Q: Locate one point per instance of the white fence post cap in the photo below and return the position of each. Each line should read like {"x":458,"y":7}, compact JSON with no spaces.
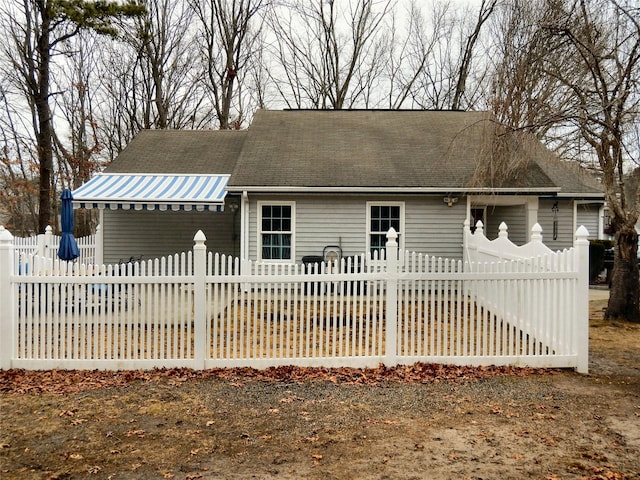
{"x":582,"y":234}
{"x":199,"y":238}
{"x":392,"y":234}
{"x":536,"y":232}
{"x":5,"y":235}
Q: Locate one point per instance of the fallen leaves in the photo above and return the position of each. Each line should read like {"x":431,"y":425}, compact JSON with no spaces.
{"x":72,"y":381}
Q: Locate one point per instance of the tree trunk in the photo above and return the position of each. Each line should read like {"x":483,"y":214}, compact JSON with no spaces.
{"x":44,"y":133}
{"x":624,"y":297}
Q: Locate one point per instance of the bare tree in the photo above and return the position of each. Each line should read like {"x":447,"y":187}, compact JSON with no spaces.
{"x":521,"y":95}
{"x":18,"y":168}
{"x":484,"y":12}
{"x":34,"y":30}
{"x":164,"y":73}
{"x":330,"y":53}
{"x":117,"y":109}
{"x":229,"y":34}
{"x":450,"y":35}
{"x":408,"y":54}
{"x":77,"y":149}
{"x":604,"y":38}
{"x":435,"y":84}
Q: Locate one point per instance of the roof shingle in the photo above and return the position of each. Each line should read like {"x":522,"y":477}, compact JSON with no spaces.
{"x":360,"y":149}
{"x":180,"y":151}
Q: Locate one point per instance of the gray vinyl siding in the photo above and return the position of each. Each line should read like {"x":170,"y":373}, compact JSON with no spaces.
{"x":515,"y":216}
{"x":433,"y":227}
{"x":155,"y":234}
{"x":565,"y":223}
{"x":319,"y":222}
{"x":329,"y":221}
{"x":430,"y":226}
{"x":588,"y":215}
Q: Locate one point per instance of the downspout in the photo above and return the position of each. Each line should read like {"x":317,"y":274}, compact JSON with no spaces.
{"x":532,"y":215}
{"x":244,"y":231}
{"x":99,"y":252}
{"x":465,"y":232}
{"x":601,"y":235}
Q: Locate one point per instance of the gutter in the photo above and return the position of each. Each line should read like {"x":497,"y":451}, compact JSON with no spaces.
{"x":582,"y":195}
{"x":435,"y":190}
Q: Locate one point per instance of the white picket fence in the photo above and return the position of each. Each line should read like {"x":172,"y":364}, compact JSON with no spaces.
{"x":46,"y":245}
{"x":203,"y":310}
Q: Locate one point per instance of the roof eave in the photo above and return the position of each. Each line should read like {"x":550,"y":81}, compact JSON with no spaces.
{"x":581,"y":195}
{"x":434,"y":190}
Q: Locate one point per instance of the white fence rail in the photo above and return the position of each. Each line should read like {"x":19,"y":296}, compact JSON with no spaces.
{"x":202,"y":310}
{"x":46,"y":245}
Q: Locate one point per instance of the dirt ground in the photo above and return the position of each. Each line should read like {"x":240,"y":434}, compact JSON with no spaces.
{"x":409,"y":423}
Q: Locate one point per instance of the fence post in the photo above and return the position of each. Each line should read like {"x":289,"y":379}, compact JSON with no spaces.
{"x":40,"y":246}
{"x":7,"y":299}
{"x":391,"y":358}
{"x":199,"y":298}
{"x":45,"y":242}
{"x":581,"y":307}
{"x":537,"y":246}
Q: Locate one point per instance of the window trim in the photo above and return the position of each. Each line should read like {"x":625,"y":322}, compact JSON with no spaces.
{"x":259,"y":231}
{"x":401,"y":234}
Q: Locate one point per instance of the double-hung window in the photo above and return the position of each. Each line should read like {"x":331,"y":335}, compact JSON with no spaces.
{"x":381,"y":216}
{"x":276,"y":230}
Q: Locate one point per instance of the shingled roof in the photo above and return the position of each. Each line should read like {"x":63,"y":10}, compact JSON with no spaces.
{"x":385,"y":150}
{"x":359,"y":150}
{"x":180,"y":151}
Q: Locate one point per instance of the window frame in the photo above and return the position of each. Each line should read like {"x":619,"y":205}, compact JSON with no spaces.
{"x":260,"y":232}
{"x":401,"y":233}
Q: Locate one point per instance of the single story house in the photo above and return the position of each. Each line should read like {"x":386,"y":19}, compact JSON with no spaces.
{"x":300,"y":183}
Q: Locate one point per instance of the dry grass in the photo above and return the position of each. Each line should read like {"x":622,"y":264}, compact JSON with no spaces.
{"x":432,"y":422}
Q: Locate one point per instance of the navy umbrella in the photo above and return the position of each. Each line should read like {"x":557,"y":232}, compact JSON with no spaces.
{"x":68,"y":249}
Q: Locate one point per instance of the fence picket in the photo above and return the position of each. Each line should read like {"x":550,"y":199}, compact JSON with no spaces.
{"x":201,"y":309}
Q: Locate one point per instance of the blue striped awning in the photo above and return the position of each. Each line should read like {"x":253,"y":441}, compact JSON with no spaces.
{"x":152,"y":192}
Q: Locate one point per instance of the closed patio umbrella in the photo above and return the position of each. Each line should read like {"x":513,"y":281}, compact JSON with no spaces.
{"x":68,"y":249}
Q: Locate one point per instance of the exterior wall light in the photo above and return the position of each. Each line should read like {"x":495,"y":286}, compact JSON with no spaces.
{"x":450,"y":201}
